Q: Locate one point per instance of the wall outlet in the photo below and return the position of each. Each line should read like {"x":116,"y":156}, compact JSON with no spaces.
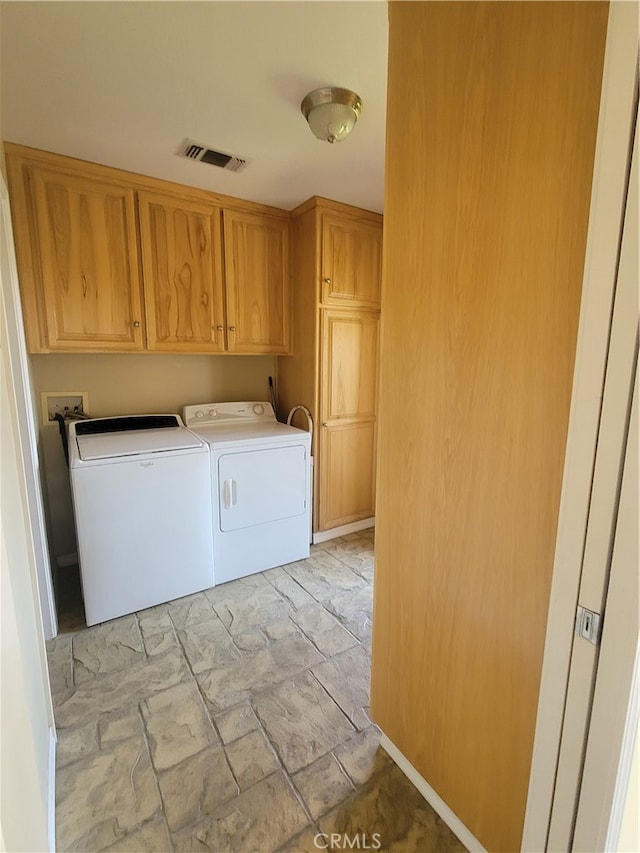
{"x":61,"y":402}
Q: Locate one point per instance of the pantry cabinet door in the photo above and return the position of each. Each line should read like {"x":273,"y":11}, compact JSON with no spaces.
{"x":182,"y":270}
{"x":347,"y":473}
{"x":348,"y":378}
{"x":257,"y":277}
{"x":351,"y":262}
{"x":349,"y":364}
{"x":89,"y":263}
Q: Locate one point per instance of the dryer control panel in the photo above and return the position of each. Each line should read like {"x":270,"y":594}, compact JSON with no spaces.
{"x":211,"y":413}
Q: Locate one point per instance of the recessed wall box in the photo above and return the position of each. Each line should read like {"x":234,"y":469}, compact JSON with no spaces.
{"x":59,"y":402}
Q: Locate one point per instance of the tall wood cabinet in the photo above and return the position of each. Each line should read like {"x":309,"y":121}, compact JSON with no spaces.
{"x":333,"y":369}
{"x":110,"y":261}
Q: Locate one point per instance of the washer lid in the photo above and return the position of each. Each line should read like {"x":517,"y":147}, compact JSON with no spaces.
{"x":106,"y":438}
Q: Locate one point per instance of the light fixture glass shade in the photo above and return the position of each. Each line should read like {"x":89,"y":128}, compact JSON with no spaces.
{"x":331,"y":112}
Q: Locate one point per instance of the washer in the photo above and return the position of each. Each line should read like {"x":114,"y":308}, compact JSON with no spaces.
{"x":141,"y":488}
{"x":261,"y":499}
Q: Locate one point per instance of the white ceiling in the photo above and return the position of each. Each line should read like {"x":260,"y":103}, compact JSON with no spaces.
{"x":125,"y":83}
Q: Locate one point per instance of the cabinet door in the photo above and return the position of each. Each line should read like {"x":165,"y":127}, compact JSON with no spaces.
{"x":257,"y":282}
{"x":347,"y":473}
{"x":89,"y":263}
{"x":349,"y":364}
{"x":348,"y":410}
{"x":351,"y":262}
{"x":182,"y":268}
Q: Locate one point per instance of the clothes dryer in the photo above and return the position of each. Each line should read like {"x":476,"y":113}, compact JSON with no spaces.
{"x":261,"y":486}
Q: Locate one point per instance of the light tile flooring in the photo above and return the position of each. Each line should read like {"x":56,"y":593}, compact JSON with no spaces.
{"x":236,"y":719}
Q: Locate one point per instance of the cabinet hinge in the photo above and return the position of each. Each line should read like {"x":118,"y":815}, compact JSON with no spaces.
{"x":588,"y":625}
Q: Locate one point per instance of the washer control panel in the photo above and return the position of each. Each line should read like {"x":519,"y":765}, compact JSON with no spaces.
{"x":211,"y":413}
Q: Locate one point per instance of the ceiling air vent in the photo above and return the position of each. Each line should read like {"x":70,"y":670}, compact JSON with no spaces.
{"x":195,"y":151}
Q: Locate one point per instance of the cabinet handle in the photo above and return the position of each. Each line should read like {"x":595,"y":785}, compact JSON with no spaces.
{"x":136,"y":324}
{"x":325,"y":424}
{"x":220,"y":328}
{"x":327,"y":280}
{"x":232,"y":328}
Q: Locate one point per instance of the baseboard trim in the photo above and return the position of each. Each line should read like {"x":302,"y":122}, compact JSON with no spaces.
{"x":437,"y":803}
{"x":354,"y":527}
{"x":51,"y":805}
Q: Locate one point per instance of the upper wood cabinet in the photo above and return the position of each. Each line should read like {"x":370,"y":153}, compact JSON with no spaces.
{"x":182,"y":271}
{"x":257,"y":281}
{"x":111,"y":261}
{"x":86,"y":237}
{"x":351,"y":261}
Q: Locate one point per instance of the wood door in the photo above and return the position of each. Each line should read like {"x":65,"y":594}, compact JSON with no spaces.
{"x":347,"y":473}
{"x":182,"y":269}
{"x":490,"y":158}
{"x":348,"y":381}
{"x":258,"y":288}
{"x":351,"y":262}
{"x":349,"y":364}
{"x":89,"y":262}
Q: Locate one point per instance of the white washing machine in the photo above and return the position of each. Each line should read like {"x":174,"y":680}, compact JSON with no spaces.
{"x":261,"y":484}
{"x":141,"y":488}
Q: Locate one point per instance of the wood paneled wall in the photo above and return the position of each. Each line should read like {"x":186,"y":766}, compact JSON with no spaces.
{"x":492,"y":116}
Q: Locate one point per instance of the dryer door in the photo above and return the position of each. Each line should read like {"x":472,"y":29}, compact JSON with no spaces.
{"x":259,"y":486}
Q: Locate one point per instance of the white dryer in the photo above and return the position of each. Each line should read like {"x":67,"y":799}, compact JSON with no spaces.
{"x":141,"y":489}
{"x":261,"y":484}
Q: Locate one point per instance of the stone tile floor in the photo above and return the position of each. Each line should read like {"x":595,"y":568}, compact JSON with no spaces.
{"x":236,"y":719}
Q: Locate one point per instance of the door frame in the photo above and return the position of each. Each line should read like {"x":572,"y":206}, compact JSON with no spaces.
{"x":40,"y":758}
{"x":613,"y":725}
{"x":588,"y":665}
{"x":27,"y":422}
{"x":609,"y":190}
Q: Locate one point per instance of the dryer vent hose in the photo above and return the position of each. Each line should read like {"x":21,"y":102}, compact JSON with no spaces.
{"x":63,"y":422}
{"x":307,"y":413}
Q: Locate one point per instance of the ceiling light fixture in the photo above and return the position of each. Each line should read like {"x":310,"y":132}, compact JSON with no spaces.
{"x":331,"y":112}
